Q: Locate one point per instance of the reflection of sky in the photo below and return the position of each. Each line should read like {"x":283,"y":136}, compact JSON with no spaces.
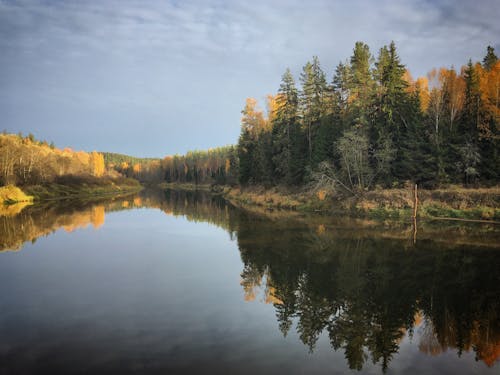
{"x":411,"y":360}
{"x":148,"y":289}
{"x":158,"y":77}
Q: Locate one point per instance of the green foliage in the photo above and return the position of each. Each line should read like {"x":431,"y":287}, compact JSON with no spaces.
{"x":113,"y":159}
{"x":214,"y":166}
{"x":490,"y":59}
{"x":401,"y":130}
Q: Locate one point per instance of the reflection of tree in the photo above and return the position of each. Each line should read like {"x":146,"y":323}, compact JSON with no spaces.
{"x":367,"y":293}
{"x":365,"y":289}
{"x":36,"y":221}
{"x":20,"y":224}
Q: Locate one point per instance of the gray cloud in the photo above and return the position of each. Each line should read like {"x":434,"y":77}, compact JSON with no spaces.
{"x":157,"y":77}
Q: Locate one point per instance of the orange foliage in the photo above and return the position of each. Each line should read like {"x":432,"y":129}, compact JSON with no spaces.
{"x":454,"y":86}
{"x":321,"y":195}
{"x":96,"y":164}
{"x":489,"y":83}
{"x":321,"y":229}
{"x":97,"y":216}
{"x":137,"y":168}
{"x":270,"y":295}
{"x":489,"y":352}
{"x":422,"y":85}
{"x":253,"y":119}
{"x":272,"y":108}
{"x":408,"y":78}
{"x":83,"y":157}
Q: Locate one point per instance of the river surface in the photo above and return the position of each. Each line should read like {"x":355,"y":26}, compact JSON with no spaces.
{"x":169,"y":282}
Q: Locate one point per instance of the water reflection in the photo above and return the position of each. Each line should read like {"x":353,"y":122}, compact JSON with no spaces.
{"x":367,"y":286}
{"x":23,"y":223}
{"x":369,"y":293}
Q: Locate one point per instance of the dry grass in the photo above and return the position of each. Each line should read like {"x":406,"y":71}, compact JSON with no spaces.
{"x":452,"y":202}
{"x":270,"y":198}
{"x":11,"y":194}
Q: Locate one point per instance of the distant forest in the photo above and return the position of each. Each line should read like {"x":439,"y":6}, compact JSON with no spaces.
{"x":372,"y":125}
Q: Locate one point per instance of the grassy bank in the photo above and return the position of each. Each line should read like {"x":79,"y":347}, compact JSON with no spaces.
{"x":185,"y":186}
{"x":11,"y":194}
{"x":71,"y":187}
{"x":453,"y":202}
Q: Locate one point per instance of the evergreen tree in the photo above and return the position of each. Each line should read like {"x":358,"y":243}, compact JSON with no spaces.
{"x":490,"y":59}
{"x":390,"y":117}
{"x":340,"y":87}
{"x":470,"y":118}
{"x":449,"y":133}
{"x":360,"y":85}
{"x":249,"y":152}
{"x":286,"y":118}
{"x":313,"y":97}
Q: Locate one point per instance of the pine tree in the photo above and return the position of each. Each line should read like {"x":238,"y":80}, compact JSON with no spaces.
{"x":360,"y":85}
{"x":490,"y":59}
{"x":390,"y":116}
{"x":313,"y":97}
{"x":252,"y":124}
{"x":286,"y":118}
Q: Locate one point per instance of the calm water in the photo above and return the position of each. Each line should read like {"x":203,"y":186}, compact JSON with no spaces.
{"x":172,"y":282}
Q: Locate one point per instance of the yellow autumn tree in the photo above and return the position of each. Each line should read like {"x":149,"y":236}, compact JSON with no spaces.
{"x":489,"y":84}
{"x":96,"y":163}
{"x":422,"y":85}
{"x":272,"y":104}
{"x":454,"y":86}
{"x":253,"y":118}
{"x":137,"y":168}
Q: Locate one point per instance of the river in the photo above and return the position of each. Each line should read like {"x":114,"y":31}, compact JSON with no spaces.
{"x":184,"y":282}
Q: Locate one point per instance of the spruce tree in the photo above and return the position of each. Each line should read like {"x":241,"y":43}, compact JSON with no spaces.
{"x":490,"y":59}
{"x":389,"y":115}
{"x":286,"y":118}
{"x":313,"y":97}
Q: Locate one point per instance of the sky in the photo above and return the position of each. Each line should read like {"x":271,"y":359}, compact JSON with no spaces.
{"x":154,"y":78}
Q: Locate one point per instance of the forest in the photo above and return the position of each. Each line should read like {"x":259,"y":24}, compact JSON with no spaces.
{"x":27,"y":161}
{"x":372,"y":126}
{"x":375,"y":125}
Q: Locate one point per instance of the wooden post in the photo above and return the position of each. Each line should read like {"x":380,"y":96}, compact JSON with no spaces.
{"x":415,"y":208}
{"x":415,"y":202}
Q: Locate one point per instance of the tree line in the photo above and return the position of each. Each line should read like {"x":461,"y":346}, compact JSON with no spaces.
{"x":373,"y":124}
{"x":27,"y":161}
{"x":216,"y":165}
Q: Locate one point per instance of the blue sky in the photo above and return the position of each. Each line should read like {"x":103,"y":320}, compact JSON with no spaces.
{"x":151,"y":78}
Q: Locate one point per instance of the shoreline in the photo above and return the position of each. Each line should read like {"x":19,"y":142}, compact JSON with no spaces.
{"x":453,"y":203}
{"x":60,"y":192}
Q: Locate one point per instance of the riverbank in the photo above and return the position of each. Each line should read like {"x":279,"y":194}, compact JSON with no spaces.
{"x":69,"y":188}
{"x":453,"y":202}
{"x":11,"y":194}
{"x":186,"y":186}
